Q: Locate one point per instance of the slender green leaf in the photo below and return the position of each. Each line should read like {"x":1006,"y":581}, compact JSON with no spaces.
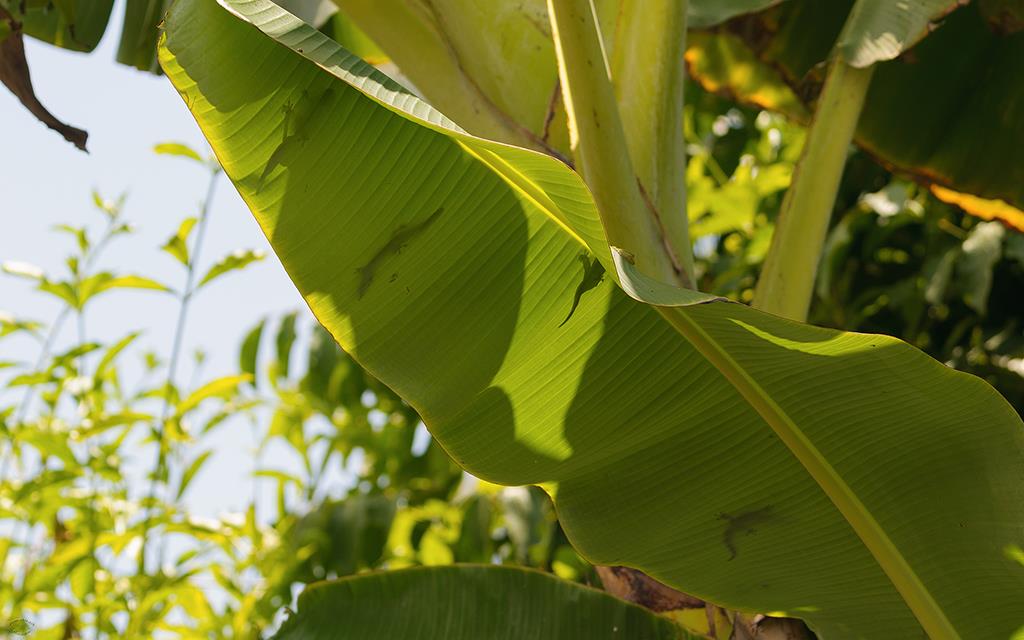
{"x":104,"y":281}
{"x":177,"y":245}
{"x":112,"y":208}
{"x":190,"y":472}
{"x":178,"y":149}
{"x":250,"y":350}
{"x":29,"y":379}
{"x":114,"y":351}
{"x":78,"y":233}
{"x":283,"y":341}
{"x":10,"y":324}
{"x":280,"y":476}
{"x":468,"y":602}
{"x":239,"y":259}
{"x":213,"y":389}
{"x":76,"y":352}
{"x":133,"y":282}
{"x":66,"y":291}
{"x":698,"y":443}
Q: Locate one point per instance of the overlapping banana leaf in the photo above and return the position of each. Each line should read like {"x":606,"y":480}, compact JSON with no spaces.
{"x":946,"y":113}
{"x":468,"y":602}
{"x":470,"y":58}
{"x":950,"y":111}
{"x":758,"y":463}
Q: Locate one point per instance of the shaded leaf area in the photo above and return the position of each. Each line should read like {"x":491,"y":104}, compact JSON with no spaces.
{"x":14,"y":73}
{"x":139,"y":33}
{"x":646,"y":447}
{"x":77,"y":25}
{"x":707,"y":13}
{"x":902,"y":262}
{"x":468,"y":602}
{"x":948,"y":111}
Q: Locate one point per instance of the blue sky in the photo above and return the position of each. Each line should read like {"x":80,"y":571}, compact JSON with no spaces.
{"x":46,"y":182}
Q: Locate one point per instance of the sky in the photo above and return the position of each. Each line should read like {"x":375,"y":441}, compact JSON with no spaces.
{"x":46,"y":181}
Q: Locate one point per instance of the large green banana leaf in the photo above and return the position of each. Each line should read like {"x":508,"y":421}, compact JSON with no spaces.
{"x":758,"y":463}
{"x":468,"y":602}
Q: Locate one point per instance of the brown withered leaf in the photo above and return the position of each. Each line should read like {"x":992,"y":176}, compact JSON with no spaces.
{"x":717,"y":623}
{"x":15,"y":75}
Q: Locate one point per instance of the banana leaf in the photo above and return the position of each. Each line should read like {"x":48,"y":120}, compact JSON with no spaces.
{"x":468,"y":602}
{"x":761,"y":464}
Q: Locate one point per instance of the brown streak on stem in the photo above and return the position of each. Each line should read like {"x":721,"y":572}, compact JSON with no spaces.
{"x":681,"y":273}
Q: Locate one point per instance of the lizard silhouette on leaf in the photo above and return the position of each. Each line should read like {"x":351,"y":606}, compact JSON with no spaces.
{"x":593,"y":274}
{"x":394,"y":246}
{"x":743,"y":523}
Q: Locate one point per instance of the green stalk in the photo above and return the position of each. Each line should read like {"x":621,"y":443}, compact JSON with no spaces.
{"x":648,"y":72}
{"x":599,"y":141}
{"x":787,"y":280}
{"x":160,"y":431}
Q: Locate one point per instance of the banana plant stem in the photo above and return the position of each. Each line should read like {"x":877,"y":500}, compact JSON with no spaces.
{"x":787,"y":280}
{"x":648,"y":73}
{"x":599,"y":141}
